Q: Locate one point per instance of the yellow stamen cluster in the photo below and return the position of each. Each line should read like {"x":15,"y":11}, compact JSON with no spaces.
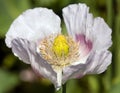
{"x":60,"y":46}
{"x":59,"y":51}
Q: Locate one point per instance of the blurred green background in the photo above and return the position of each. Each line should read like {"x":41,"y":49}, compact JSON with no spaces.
{"x":17,"y":77}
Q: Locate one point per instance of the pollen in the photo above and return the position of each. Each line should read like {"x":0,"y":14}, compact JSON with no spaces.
{"x":60,"y":46}
{"x":59,"y":50}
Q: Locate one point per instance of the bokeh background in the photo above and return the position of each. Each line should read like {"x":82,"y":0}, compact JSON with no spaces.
{"x":17,"y":77}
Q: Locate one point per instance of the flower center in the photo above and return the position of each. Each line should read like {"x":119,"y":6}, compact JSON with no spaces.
{"x":60,"y":46}
{"x":59,"y":51}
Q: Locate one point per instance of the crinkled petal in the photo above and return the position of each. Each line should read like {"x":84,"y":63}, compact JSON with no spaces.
{"x":98,"y":62}
{"x":44,"y":69}
{"x":75,"y":17}
{"x":75,"y":70}
{"x":23,"y":48}
{"x":85,"y":45}
{"x":72,"y":72}
{"x":100,"y":57}
{"x":80,"y":22}
{"x":101,"y":35}
{"x":33,"y":25}
{"x":20,"y":48}
{"x":93,"y":35}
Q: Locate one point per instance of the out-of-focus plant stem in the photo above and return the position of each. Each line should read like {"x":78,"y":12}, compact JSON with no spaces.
{"x":117,"y":40}
{"x":110,"y":15}
{"x":64,"y":88}
{"x":110,"y":20}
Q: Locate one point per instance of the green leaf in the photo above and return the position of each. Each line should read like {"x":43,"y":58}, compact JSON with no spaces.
{"x":9,"y":10}
{"x":115,"y":88}
{"x":93,"y":83}
{"x":45,"y":2}
{"x":73,"y":87}
{"x":9,"y":61}
{"x":7,"y":81}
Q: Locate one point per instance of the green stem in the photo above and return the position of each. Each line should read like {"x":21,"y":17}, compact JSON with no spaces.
{"x":64,"y":88}
{"x":107,"y":78}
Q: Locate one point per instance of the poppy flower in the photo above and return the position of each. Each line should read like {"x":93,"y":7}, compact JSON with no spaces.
{"x":35,"y":38}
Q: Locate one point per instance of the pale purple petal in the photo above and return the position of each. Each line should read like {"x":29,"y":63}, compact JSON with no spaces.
{"x":34,"y":24}
{"x":26,"y":51}
{"x":98,"y":62}
{"x":101,"y":35}
{"x":43,"y":68}
{"x":85,"y":45}
{"x":100,"y":57}
{"x":21,"y":50}
{"x":77,"y":19}
{"x":73,"y":71}
{"x":94,"y":36}
{"x":80,"y":22}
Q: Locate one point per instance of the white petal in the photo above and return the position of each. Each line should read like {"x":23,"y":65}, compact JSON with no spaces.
{"x":20,"y":48}
{"x":85,"y":45}
{"x":34,"y":24}
{"x":79,"y":21}
{"x":75,"y":70}
{"x":43,"y":68}
{"x":75,"y":17}
{"x":70,"y":72}
{"x":26,"y":51}
{"x":101,"y":35}
{"x":98,"y":62}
